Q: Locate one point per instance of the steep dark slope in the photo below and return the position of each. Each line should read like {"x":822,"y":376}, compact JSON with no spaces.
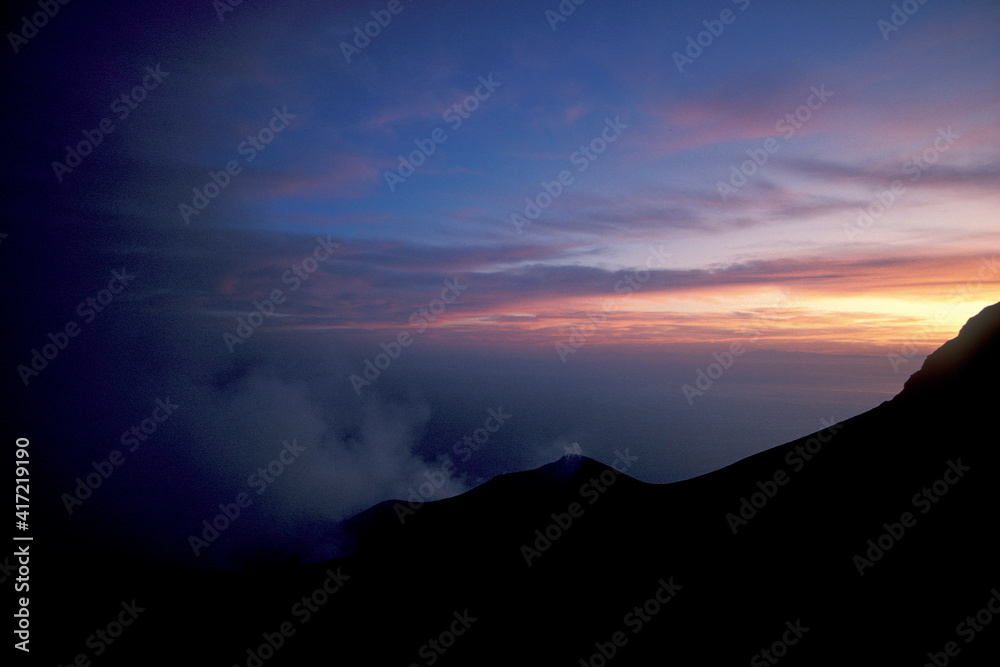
{"x":917,"y":476}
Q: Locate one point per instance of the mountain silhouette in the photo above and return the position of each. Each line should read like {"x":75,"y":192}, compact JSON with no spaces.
{"x":870,"y":542}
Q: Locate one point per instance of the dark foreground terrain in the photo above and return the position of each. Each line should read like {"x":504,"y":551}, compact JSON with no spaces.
{"x":872,"y":542}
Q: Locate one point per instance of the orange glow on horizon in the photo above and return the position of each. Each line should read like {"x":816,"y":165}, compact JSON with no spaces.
{"x":863,"y":312}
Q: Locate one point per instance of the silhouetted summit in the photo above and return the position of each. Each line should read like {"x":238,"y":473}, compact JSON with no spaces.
{"x":965,"y":360}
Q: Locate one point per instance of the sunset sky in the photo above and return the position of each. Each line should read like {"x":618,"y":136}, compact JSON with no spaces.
{"x":919,"y":107}
{"x":627,"y":189}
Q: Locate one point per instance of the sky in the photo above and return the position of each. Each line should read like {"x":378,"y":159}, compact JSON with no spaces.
{"x":359,"y":236}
